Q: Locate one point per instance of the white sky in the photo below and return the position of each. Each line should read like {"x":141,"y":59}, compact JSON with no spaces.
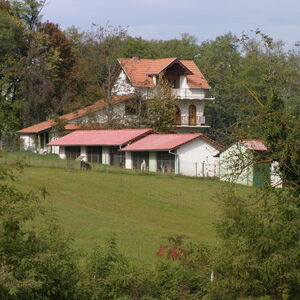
{"x":166,"y":19}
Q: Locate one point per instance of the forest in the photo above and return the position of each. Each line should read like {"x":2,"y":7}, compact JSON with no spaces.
{"x":46,"y":71}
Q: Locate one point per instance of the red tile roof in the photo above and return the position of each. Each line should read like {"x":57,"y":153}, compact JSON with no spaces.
{"x":254,"y":144}
{"x":114,"y":137}
{"x":162,"y":141}
{"x":73,"y":115}
{"x":138,"y":71}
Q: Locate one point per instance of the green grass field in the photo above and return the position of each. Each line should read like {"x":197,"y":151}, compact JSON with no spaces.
{"x":140,"y":209}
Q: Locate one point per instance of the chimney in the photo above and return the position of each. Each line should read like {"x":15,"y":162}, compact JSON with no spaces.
{"x":136,"y":58}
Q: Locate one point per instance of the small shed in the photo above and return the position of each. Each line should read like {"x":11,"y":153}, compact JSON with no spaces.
{"x":245,"y":162}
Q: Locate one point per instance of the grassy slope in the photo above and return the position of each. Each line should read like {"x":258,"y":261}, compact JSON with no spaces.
{"x":139,"y":209}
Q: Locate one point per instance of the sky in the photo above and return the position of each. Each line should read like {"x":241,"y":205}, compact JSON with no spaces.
{"x":167,"y":19}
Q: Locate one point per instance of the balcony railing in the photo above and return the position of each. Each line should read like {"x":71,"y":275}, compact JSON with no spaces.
{"x":200,"y":121}
{"x":187,"y":93}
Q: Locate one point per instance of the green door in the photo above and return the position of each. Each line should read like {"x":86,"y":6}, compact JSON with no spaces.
{"x":261,"y":174}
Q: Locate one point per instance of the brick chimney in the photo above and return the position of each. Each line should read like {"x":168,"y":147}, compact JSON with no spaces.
{"x":136,"y":58}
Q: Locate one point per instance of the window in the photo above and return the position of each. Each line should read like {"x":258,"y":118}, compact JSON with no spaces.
{"x":131,"y":108}
{"x":94,"y":154}
{"x":72,"y":152}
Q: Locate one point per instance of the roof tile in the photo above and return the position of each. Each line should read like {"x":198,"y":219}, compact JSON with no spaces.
{"x":113,"y":137}
{"x":138,"y":71}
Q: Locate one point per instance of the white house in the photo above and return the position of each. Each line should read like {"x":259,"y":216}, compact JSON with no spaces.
{"x":190,"y":154}
{"x":140,"y":76}
{"x":134,"y":78}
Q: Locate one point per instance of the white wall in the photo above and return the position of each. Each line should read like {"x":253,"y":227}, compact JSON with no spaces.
{"x":184,"y":109}
{"x":83,"y":153}
{"x":62,"y":152}
{"x":122,"y":85}
{"x":196,"y":158}
{"x":128,"y":160}
{"x":106,"y":155}
{"x":236,"y":165}
{"x":29,"y":141}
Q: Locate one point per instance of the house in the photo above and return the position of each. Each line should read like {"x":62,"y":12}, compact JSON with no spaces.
{"x":135,"y":78}
{"x":190,"y":154}
{"x":100,"y":146}
{"x":246,"y":162}
{"x":140,"y":76}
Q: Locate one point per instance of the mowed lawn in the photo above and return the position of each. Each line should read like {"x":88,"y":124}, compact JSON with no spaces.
{"x":140,"y":210}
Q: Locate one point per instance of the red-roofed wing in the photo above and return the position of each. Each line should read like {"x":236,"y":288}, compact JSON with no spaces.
{"x":115,"y":137}
{"x":73,"y":115}
{"x":162,"y":141}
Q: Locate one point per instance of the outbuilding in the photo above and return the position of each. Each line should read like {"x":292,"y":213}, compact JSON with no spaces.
{"x":246,"y":162}
{"x":190,"y":154}
{"x":101,"y":146}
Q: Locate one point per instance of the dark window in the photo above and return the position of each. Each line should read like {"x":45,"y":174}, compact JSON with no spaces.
{"x":94,"y":154}
{"x":165,"y":162}
{"x":72,"y":152}
{"x":140,"y":160}
{"x":117,"y":158}
{"x":131,"y":108}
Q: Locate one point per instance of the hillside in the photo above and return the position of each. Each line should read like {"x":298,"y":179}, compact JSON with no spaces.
{"x":140,"y":209}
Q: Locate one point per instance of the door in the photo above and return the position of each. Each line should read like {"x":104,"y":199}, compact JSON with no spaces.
{"x":178,"y":116}
{"x":192,"y":115}
{"x":261,"y":174}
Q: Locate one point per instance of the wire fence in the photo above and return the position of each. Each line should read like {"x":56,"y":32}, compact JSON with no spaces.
{"x":168,"y":167}
{"x":199,"y":168}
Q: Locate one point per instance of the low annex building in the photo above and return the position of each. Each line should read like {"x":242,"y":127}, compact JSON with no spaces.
{"x":38,"y":136}
{"x":100,"y":146}
{"x":190,"y":154}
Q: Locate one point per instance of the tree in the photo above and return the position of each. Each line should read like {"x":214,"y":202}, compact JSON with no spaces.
{"x":29,"y":11}
{"x":260,"y":228}
{"x":161,"y":107}
{"x":98,"y":54}
{"x":35,"y":263}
